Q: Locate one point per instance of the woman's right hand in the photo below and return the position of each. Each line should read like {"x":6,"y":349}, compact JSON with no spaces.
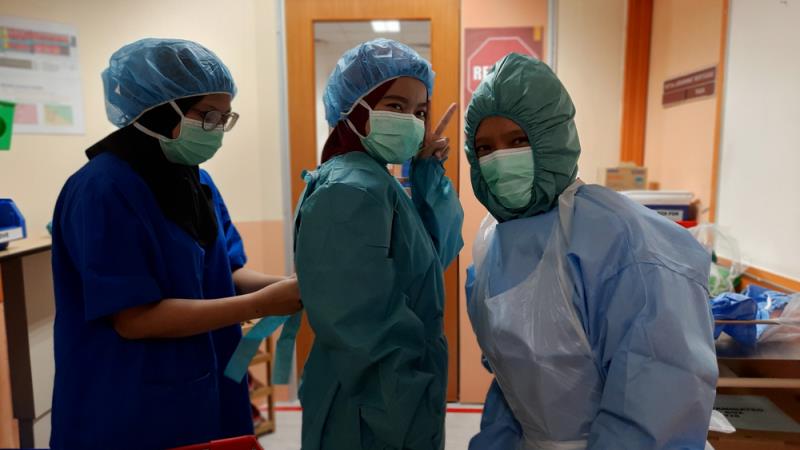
{"x":435,"y":143}
{"x":281,"y":298}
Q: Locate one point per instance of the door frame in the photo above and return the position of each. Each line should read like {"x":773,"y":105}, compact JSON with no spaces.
{"x":445,"y":25}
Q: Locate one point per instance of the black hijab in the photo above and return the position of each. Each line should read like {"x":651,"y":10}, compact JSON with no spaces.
{"x":177,"y":188}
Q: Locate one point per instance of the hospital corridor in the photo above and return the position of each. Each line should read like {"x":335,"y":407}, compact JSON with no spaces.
{"x":405,"y":225}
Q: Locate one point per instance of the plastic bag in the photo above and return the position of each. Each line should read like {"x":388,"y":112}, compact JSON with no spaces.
{"x":787,"y":326}
{"x":723,"y":276}
{"x":720,"y":423}
{"x":482,"y":240}
{"x":754,"y":304}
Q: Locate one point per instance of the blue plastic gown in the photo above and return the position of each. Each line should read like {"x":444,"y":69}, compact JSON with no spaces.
{"x":114,"y":249}
{"x":641,"y":296}
{"x":370,"y":264}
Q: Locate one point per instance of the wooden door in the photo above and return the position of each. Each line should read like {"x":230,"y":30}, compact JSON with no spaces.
{"x":444,"y":17}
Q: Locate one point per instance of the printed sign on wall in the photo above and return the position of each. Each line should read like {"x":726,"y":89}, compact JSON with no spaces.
{"x":485,"y":46}
{"x":39,"y":72}
{"x":697,"y":84}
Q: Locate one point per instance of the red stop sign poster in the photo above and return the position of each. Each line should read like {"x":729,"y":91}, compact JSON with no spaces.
{"x":485,"y":46}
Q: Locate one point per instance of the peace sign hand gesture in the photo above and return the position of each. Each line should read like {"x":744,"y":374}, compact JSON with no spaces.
{"x":435,"y":144}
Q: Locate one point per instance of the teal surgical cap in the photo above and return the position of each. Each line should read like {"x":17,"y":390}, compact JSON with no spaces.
{"x":150,"y":72}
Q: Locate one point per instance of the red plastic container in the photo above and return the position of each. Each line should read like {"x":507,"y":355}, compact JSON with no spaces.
{"x":237,"y":443}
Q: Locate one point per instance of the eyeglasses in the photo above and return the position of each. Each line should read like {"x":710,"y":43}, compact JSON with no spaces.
{"x":213,"y":119}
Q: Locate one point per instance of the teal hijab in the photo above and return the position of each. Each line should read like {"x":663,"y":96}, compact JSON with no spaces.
{"x":525,"y":90}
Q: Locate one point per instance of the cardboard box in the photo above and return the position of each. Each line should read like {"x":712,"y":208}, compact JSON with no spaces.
{"x":626,"y":178}
{"x":760,"y":422}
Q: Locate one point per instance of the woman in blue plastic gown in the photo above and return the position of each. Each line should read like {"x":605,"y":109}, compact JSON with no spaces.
{"x":591,"y":311}
{"x":142,"y":241}
{"x":370,"y":259}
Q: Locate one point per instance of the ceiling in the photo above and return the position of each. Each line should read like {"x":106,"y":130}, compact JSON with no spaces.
{"x":414,"y":33}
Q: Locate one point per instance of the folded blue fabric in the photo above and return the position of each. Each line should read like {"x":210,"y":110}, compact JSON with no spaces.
{"x":732,"y":306}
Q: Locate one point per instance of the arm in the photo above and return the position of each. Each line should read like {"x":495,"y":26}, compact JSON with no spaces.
{"x":658,"y":354}
{"x":433,"y":194}
{"x":123,"y":285}
{"x":499,"y":429}
{"x":438,"y":206}
{"x":245,"y":280}
{"x":374,"y":342}
{"x":248,"y":281}
{"x":175,"y":318}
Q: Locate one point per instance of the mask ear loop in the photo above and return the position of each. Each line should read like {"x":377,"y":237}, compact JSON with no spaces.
{"x":155,"y":135}
{"x":350,"y":123}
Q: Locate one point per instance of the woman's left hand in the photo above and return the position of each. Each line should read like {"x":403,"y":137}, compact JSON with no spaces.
{"x":435,"y":144}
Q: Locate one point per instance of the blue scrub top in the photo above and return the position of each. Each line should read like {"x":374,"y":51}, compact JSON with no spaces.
{"x":114,"y":249}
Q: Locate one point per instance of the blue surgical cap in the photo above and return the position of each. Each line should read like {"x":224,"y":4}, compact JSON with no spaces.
{"x":151,"y":72}
{"x":367,"y":66}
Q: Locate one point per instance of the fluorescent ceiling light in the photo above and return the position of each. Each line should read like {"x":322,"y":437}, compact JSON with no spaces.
{"x":386,"y":26}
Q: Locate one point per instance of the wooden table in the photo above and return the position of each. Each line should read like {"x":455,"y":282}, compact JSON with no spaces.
{"x":29,"y":306}
{"x":770,"y":369}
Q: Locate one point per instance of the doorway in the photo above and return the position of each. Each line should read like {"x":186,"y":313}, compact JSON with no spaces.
{"x":308,"y":23}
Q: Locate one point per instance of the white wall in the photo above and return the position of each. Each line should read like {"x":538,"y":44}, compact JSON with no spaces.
{"x":241,"y":32}
{"x":590,"y":57}
{"x":759,"y":188}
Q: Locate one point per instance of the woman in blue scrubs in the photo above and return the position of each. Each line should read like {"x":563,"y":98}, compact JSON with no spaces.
{"x":591,"y":311}
{"x":148,"y":268}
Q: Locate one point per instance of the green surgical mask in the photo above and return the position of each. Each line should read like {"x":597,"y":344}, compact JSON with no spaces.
{"x":509,"y":175}
{"x":393,"y":138}
{"x":193,"y":146}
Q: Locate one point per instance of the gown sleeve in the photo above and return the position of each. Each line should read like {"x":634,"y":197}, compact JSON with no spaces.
{"x":114,"y":251}
{"x":499,"y":429}
{"x":233,"y":241}
{"x":438,"y":207}
{"x":659,"y":361}
{"x":352,"y":294}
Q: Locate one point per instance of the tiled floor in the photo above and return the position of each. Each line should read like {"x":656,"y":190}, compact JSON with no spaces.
{"x":461,"y":426}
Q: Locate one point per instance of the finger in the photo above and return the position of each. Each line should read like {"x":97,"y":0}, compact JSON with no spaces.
{"x":445,"y":120}
{"x":434,"y":146}
{"x":445,"y":153}
{"x":441,"y":143}
{"x":426,"y":152}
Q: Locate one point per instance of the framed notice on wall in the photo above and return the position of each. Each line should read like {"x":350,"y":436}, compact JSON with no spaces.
{"x":485,"y":46}
{"x":698,"y":84}
{"x":39,"y":72}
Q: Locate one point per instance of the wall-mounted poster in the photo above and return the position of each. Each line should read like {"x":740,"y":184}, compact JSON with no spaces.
{"x":39,"y":72}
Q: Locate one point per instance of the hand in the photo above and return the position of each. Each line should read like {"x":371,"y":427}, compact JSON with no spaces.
{"x":435,"y":144}
{"x":281,"y":298}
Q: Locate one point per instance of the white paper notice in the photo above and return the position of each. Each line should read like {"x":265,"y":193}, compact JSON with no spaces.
{"x":39,"y":72}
